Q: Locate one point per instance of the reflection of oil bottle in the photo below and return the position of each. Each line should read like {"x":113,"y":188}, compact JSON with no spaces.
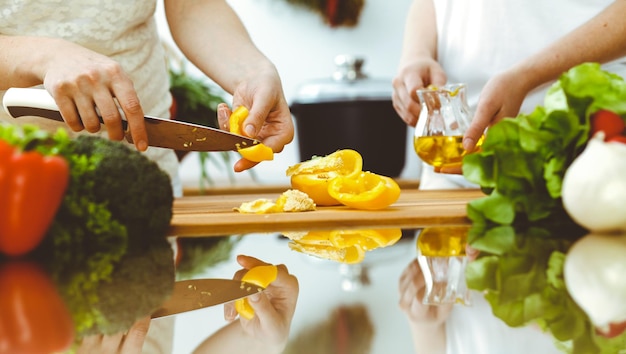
{"x":443,"y":241}
{"x":442,"y":257}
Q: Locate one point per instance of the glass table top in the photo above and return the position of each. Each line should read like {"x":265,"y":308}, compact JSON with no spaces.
{"x":439,"y":287}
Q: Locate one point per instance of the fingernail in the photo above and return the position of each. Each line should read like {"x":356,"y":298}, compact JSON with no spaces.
{"x":142,"y":145}
{"x":231,"y":313}
{"x":468,"y":144}
{"x":221,"y":111}
{"x":254,"y":297}
{"x":250,"y":131}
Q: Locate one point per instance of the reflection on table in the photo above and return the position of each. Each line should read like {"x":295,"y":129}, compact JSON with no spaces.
{"x":364,"y":292}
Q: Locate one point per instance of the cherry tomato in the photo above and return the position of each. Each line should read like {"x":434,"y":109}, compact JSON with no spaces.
{"x":609,"y":122}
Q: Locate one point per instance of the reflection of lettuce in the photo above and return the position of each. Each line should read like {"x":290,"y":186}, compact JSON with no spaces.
{"x":520,"y":270}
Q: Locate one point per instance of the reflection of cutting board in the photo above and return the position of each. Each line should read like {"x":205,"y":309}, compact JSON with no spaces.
{"x":214,"y":215}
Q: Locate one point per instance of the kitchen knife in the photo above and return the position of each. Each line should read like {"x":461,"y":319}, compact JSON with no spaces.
{"x":166,"y":133}
{"x":195,"y":294}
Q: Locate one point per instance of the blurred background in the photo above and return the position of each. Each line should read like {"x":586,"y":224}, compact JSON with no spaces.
{"x":303,"y":47}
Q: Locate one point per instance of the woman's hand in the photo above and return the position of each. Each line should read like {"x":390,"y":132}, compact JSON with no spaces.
{"x":130,"y":342}
{"x":427,"y":322}
{"x":412,"y":288}
{"x":273,"y":308}
{"x":269,"y":119}
{"x":84,"y":83}
{"x":501,"y":97}
{"x":415,"y":75}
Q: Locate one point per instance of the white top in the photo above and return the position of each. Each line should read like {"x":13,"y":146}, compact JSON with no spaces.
{"x":120,"y":29}
{"x":478,"y":39}
{"x":475,"y":330}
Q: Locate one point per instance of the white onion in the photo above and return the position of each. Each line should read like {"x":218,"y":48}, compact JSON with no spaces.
{"x":594,"y":186}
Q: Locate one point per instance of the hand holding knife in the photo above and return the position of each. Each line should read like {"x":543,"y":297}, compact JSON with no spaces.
{"x":166,"y":133}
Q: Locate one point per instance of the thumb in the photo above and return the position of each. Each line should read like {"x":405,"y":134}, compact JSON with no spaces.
{"x":262,"y":307}
{"x":438,"y":77}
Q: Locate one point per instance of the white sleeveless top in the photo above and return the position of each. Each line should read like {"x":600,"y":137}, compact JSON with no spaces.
{"x":124,"y":30}
{"x":478,"y":39}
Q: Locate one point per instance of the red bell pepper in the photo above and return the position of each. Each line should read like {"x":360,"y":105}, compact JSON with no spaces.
{"x":33,"y":317}
{"x":31,"y":189}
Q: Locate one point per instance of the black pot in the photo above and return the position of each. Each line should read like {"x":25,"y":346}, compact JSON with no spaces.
{"x":351,"y":111}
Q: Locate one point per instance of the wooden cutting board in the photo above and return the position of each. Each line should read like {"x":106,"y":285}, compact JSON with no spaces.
{"x":213,"y":215}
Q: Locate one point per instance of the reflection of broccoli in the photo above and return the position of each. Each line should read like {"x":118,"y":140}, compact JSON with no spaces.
{"x":140,"y":283}
{"x":197,"y":254}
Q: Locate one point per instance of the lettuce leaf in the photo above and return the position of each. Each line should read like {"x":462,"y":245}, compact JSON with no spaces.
{"x":523,"y":159}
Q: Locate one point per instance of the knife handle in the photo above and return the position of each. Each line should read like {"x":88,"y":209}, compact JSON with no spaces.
{"x":22,"y":102}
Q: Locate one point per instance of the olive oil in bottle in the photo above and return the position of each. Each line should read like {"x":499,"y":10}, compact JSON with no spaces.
{"x":440,"y":150}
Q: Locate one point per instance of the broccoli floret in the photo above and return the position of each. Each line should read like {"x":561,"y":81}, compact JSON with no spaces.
{"x":109,"y":231}
{"x":137,"y":193}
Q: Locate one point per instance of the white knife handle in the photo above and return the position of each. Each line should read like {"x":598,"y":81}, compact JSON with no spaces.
{"x":22,"y":102}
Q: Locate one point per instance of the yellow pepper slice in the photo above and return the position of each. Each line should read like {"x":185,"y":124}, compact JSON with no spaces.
{"x":261,"y":276}
{"x":257,"y":152}
{"x":313,"y":176}
{"x":236,"y":119}
{"x":368,"y":191}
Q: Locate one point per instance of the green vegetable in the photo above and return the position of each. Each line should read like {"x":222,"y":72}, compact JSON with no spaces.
{"x":136,"y":192}
{"x":520,"y":271}
{"x":197,"y":254}
{"x":117,"y":203}
{"x":523,"y":159}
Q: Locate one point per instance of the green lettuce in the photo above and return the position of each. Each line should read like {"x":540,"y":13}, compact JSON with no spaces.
{"x":523,"y":159}
{"x":519,"y":270}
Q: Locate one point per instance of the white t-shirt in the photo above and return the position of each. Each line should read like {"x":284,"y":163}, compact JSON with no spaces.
{"x":478,"y":39}
{"x":123,"y":30}
{"x":475,"y":330}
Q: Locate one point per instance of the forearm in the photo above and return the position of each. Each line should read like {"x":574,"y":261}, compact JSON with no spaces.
{"x":233,"y":340}
{"x":213,"y":38}
{"x":22,"y":60}
{"x":420,"y":33}
{"x":429,"y":339}
{"x":601,"y":39}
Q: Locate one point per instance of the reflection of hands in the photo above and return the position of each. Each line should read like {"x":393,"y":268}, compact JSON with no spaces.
{"x":121,"y":343}
{"x":427,"y":321}
{"x":269,"y":119}
{"x":501,"y":97}
{"x":412,"y":288}
{"x":80,"y":80}
{"x":417,"y":74}
{"x":273,"y":308}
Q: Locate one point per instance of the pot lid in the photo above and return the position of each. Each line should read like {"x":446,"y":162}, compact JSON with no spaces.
{"x":347,"y":83}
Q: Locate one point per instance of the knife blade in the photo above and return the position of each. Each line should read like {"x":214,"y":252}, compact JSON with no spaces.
{"x":195,"y":294}
{"x":162,"y":132}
